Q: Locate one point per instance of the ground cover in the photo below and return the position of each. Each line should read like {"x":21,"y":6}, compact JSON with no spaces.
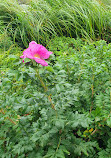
{"x":78,"y":81}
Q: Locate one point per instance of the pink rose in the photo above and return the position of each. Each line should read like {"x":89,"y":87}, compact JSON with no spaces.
{"x":36,"y":52}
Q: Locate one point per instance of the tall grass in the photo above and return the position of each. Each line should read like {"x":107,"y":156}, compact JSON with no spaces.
{"x":25,"y":23}
{"x":105,"y":2}
{"x":40,"y":20}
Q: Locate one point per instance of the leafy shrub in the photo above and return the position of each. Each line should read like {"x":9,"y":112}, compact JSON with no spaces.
{"x":72,"y":118}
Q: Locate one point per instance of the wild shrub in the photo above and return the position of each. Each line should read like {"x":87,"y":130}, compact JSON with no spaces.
{"x":72,"y":118}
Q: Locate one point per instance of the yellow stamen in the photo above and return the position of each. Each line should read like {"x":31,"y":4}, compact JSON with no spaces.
{"x":37,"y":55}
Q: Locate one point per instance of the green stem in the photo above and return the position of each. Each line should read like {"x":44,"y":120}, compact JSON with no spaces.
{"x":58,"y":144}
{"x":41,"y":81}
{"x":45,"y":88}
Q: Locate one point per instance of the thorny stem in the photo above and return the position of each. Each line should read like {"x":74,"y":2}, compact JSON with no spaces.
{"x":99,"y":126}
{"x":1,"y":111}
{"x":68,"y":71}
{"x":92,"y":88}
{"x":110,"y":95}
{"x":42,"y":83}
{"x":45,"y":89}
{"x":94,"y":131}
{"x":58,"y":144}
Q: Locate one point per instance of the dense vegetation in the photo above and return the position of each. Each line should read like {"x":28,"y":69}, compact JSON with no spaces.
{"x":62,"y":110}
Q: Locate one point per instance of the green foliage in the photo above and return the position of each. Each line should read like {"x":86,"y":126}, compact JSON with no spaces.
{"x":78,"y":81}
{"x":5,"y":44}
{"x":107,"y":152}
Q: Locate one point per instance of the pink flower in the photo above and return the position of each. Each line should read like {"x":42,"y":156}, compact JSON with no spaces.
{"x":36,"y":52}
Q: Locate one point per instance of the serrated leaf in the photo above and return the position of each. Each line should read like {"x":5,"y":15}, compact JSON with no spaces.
{"x":60,"y":124}
{"x":50,"y":153}
{"x":49,"y":68}
{"x":60,"y":153}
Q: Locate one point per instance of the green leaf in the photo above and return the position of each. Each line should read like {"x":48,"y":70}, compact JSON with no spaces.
{"x":109,"y":122}
{"x":60,"y":153}
{"x":50,"y":153}
{"x":60,"y":123}
{"x":49,"y":68}
{"x":26,"y":60}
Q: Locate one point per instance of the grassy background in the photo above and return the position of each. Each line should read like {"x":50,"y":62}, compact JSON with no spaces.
{"x":42,"y":20}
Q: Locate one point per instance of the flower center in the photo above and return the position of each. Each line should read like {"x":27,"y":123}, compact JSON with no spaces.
{"x":37,"y":55}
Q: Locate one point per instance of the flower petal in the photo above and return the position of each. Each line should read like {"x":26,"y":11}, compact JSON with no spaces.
{"x":37,"y":52}
{"x":28,"y":54}
{"x":33,"y":46}
{"x":32,"y":43}
{"x":39,"y":49}
{"x":43,"y":52}
{"x":22,"y":56}
{"x":40,"y":61}
{"x":47,"y":55}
